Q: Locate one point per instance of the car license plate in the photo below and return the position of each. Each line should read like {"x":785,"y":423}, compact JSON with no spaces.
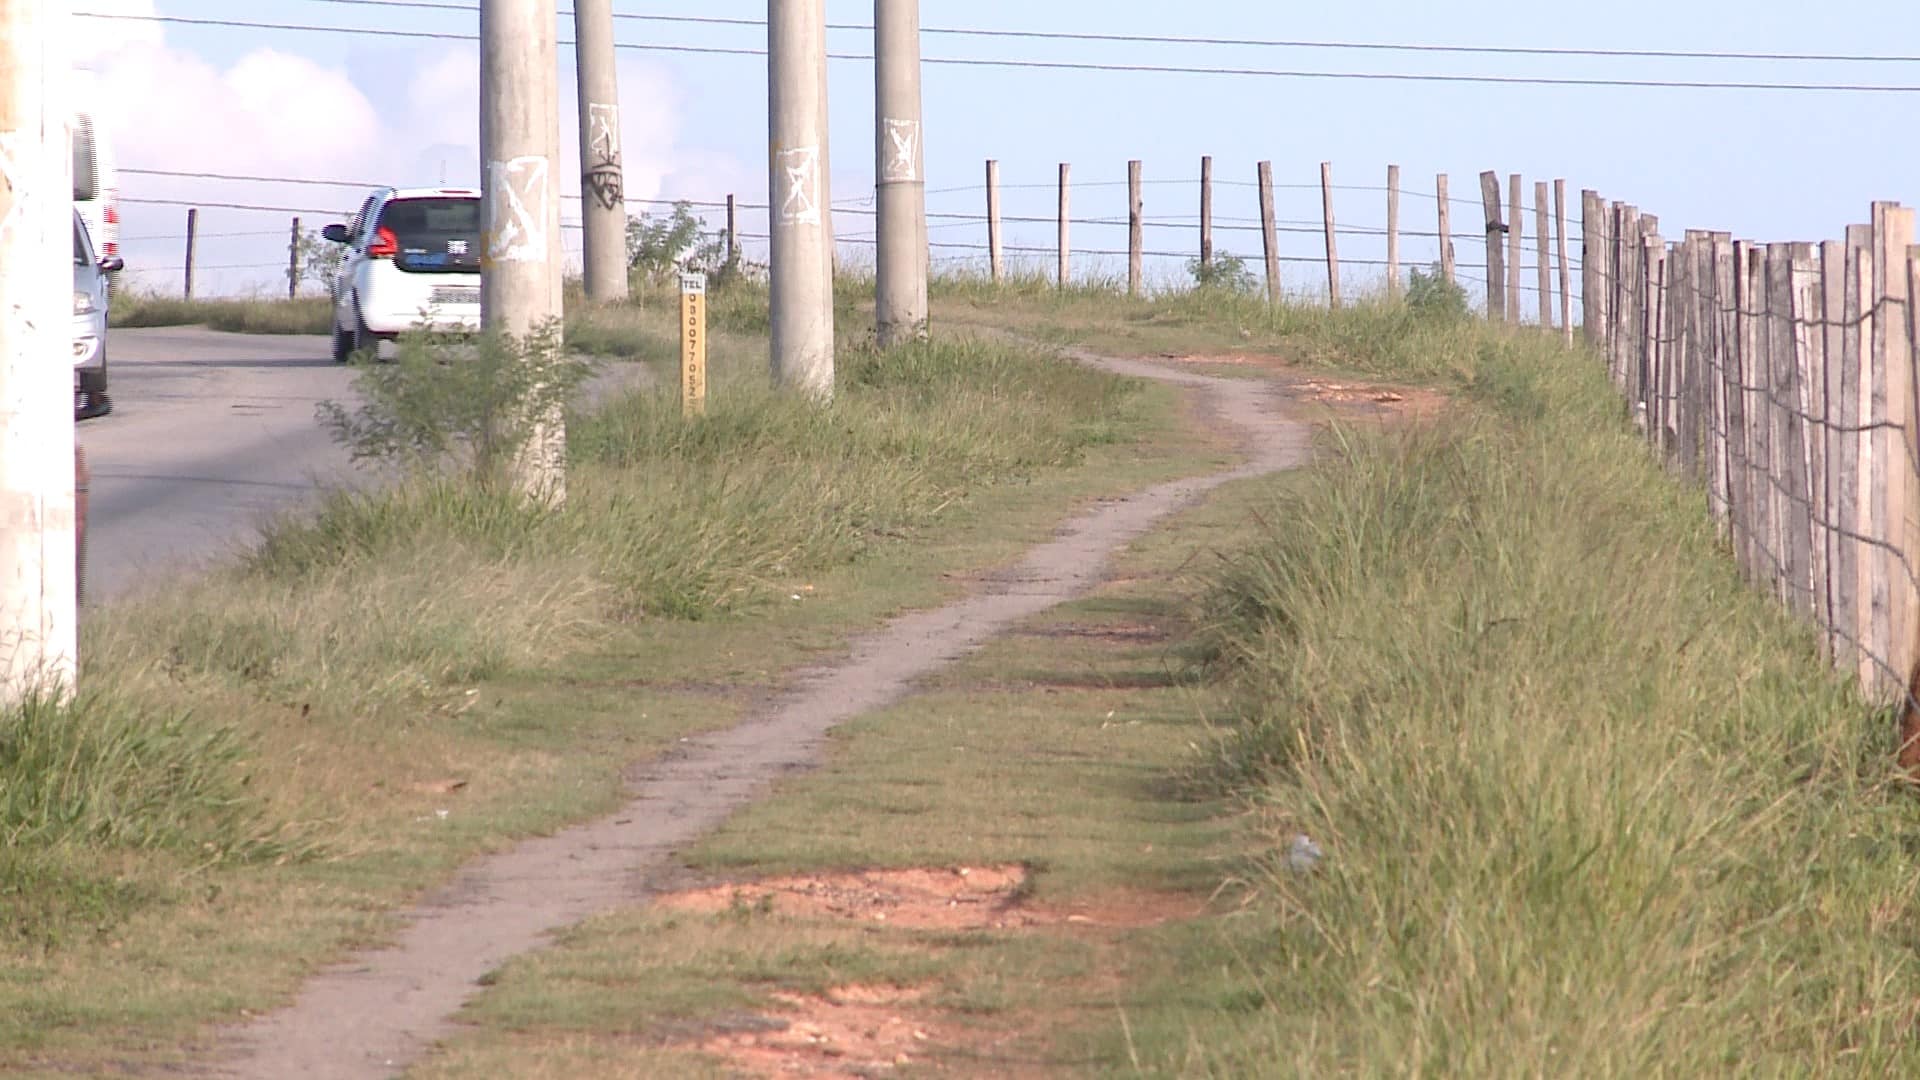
{"x":456,"y":294}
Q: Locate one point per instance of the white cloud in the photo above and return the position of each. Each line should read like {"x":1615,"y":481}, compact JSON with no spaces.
{"x":93,"y":40}
{"x":410,"y":118}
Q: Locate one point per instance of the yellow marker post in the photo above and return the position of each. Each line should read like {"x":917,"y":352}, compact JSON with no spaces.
{"x":693,"y":344}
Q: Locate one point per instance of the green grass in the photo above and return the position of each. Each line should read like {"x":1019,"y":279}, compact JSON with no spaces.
{"x":405,"y":680}
{"x":1590,"y":806}
{"x":258,"y":315}
{"x":1370,"y":335}
{"x":1054,"y":746}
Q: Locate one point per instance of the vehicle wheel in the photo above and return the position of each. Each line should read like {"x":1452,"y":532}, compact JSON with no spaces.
{"x":363,"y":338}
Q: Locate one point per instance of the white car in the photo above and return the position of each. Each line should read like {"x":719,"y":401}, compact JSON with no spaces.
{"x":412,"y":260}
{"x":90,"y":272}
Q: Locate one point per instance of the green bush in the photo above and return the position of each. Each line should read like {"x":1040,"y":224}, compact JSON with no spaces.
{"x":1226,"y":272}
{"x":1431,"y":295}
{"x":474,"y":403}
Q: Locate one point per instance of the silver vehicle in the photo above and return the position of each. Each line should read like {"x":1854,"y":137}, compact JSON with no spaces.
{"x":90,"y":272}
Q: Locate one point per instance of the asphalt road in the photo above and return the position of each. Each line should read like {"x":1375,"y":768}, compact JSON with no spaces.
{"x":210,"y":434}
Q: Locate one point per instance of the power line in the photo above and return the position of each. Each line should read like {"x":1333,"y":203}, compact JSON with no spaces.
{"x":1091,"y":66}
{"x":1182,"y":39}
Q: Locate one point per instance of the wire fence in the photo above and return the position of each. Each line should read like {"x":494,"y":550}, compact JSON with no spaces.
{"x":1782,"y":378}
{"x":1198,"y":223}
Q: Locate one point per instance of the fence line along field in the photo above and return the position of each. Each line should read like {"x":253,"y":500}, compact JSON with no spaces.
{"x":1781,"y":377}
{"x":1195,"y":238}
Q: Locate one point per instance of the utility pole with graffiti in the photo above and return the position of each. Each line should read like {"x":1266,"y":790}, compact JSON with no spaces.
{"x":800,"y":266}
{"x":900,"y":173}
{"x":603,"y":207}
{"x":520,"y":208}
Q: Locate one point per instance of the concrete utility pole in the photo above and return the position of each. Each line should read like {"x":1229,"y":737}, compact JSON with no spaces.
{"x":801,"y":206}
{"x":39,"y":583}
{"x":603,"y":204}
{"x":900,"y":172}
{"x":519,"y":150}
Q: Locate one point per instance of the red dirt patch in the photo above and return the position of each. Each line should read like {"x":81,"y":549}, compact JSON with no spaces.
{"x":857,"y":1032}
{"x":957,"y":898}
{"x":850,"y":1032}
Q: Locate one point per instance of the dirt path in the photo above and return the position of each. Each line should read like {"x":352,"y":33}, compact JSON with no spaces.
{"x":379,"y":1011}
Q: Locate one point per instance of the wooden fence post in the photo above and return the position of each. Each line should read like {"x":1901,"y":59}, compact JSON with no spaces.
{"x":1773,"y":336}
{"x":1541,"y":233}
{"x":1595,"y":272}
{"x":1136,"y":239}
{"x":1446,"y":228}
{"x":1626,"y":255}
{"x":1333,"y":248}
{"x":1841,"y":396}
{"x":1910,"y":294}
{"x":1692,"y":355}
{"x":1869,"y":402}
{"x":1560,"y":245}
{"x":996,"y":260}
{"x":1206,"y":211}
{"x":1644,"y":327}
{"x":1684,"y":284}
{"x":1726,"y":458}
{"x":1757,"y":369}
{"x":733,"y":231}
{"x":1516,"y":247}
{"x":1789,"y":435}
{"x":1652,"y":345}
{"x":1740,"y":409}
{"x":1269,"y":233}
{"x":1496,"y":247}
{"x":1393,"y":230}
{"x":1810,"y":375}
{"x":193,"y":226}
{"x":1066,"y":171}
{"x":1622,"y":223}
{"x":1893,"y":353}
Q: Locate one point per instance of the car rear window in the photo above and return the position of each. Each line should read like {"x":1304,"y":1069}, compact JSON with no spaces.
{"x":435,"y":234}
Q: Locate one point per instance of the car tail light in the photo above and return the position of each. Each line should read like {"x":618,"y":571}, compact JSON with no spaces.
{"x":113,"y":229}
{"x":385,"y":245}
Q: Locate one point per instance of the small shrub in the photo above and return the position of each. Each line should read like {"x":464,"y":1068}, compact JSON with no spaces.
{"x":316,"y":261}
{"x":472,"y":404}
{"x":1225,"y":272}
{"x":659,"y":247}
{"x":1431,"y":295}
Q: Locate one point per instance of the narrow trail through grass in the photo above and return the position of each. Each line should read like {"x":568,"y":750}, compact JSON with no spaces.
{"x":391,"y":1004}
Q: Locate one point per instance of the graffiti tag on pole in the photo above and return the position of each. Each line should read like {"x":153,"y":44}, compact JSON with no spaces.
{"x":521,"y":196}
{"x":799,"y":185}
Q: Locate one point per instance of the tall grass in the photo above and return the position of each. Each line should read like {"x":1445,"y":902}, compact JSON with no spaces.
{"x":372,"y":608}
{"x":1590,"y":806}
{"x":258,"y":315}
{"x":689,"y":520}
{"x":82,"y":778}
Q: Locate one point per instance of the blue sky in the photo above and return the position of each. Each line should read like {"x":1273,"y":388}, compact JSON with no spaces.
{"x":1769,"y":165}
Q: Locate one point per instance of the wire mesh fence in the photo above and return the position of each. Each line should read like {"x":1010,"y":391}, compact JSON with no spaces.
{"x":1782,"y":378}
